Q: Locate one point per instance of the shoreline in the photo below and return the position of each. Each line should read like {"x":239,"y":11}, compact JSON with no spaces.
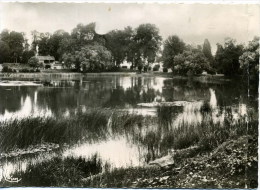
{"x":75,"y":75}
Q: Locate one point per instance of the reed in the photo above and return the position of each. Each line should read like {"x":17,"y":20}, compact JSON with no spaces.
{"x":60,"y":172}
{"x":20,"y":133}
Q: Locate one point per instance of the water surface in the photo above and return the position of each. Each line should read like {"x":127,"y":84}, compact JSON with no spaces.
{"x":123,"y":147}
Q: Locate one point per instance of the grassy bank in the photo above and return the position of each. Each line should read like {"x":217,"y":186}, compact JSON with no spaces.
{"x":59,"y":172}
{"x":91,"y":125}
{"x":230,"y":165}
{"x":20,"y":133}
{"x":97,"y":124}
{"x":226,"y":151}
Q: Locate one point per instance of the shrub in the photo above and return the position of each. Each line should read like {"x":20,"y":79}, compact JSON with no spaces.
{"x":165,"y":70}
{"x":24,"y":70}
{"x":47,"y":66}
{"x":7,"y":69}
{"x":34,"y":62}
{"x":60,"y":172}
{"x":156,"y":67}
{"x":114,"y":69}
{"x":140,"y":67}
{"x":145,"y":68}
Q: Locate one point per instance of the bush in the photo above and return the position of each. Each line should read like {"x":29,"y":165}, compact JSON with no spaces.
{"x":24,"y":70}
{"x":140,"y":67}
{"x":145,"y":68}
{"x":34,"y":62}
{"x":7,"y":69}
{"x":60,"y":172}
{"x":165,"y":70}
{"x":114,"y":69}
{"x":156,"y":68}
{"x":211,"y":71}
{"x":47,"y":66}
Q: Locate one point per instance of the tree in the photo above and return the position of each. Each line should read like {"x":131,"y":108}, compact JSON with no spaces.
{"x":15,"y":41}
{"x":173,"y":46}
{"x":227,"y":57}
{"x":192,"y":62}
{"x":55,"y":43}
{"x":4,"y":52}
{"x":68,"y":60}
{"x":34,"y":62}
{"x":147,"y":43}
{"x":27,"y":54}
{"x":35,"y":39}
{"x":118,"y":42}
{"x":86,"y":35}
{"x":249,"y":60}
{"x":91,"y":58}
{"x":44,"y":43}
{"x":206,"y":49}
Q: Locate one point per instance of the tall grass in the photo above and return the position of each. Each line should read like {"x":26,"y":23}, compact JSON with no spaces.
{"x":61,"y":172}
{"x":97,"y":124}
{"x":208,"y":135}
{"x":92,"y":125}
{"x":20,"y":133}
{"x":121,"y":177}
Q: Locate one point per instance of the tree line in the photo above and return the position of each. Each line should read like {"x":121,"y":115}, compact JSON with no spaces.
{"x":86,"y":51}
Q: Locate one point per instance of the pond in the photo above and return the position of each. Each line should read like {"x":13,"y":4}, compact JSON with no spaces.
{"x":173,"y":102}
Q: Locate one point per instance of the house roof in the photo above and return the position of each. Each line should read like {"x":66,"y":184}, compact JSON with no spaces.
{"x":48,"y":57}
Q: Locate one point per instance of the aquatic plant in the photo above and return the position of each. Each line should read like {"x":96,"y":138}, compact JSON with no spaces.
{"x":20,"y":133}
{"x":60,"y":172}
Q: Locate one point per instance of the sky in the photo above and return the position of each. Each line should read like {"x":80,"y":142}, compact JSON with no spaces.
{"x":191,"y":22}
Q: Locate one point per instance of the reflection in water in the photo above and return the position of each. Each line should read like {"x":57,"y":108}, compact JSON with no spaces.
{"x":117,"y":152}
{"x":28,"y":107}
{"x":127,"y":145}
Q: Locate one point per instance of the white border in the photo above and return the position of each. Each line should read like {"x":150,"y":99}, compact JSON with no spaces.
{"x":144,"y":1}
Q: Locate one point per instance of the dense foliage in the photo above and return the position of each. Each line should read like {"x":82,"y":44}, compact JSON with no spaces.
{"x":86,"y":51}
{"x":34,"y":62}
{"x":249,"y":60}
{"x":173,"y":46}
{"x":91,"y":58}
{"x":190,"y":62}
{"x":227,"y":57}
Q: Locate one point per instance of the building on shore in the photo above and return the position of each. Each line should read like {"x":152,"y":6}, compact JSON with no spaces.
{"x":57,"y":66}
{"x":47,"y":61}
{"x":125,"y":65}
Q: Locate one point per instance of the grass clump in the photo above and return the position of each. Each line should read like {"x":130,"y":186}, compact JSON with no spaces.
{"x":20,"y":133}
{"x":60,"y":172}
{"x":121,"y":177}
{"x":208,"y":134}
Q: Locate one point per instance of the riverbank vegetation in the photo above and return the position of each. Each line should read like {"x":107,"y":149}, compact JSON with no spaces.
{"x":206,"y":154}
{"x":92,"y":124}
{"x":83,"y":50}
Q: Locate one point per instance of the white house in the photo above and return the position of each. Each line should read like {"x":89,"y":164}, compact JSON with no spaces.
{"x":57,"y":66}
{"x":125,"y":65}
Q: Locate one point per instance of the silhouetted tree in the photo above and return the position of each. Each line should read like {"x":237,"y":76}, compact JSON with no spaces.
{"x":249,"y":60}
{"x":118,"y":42}
{"x":173,"y":46}
{"x":227,"y":57}
{"x":147,"y":43}
{"x":207,"y":51}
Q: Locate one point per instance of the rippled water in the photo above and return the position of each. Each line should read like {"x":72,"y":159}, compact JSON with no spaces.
{"x":127,"y":146}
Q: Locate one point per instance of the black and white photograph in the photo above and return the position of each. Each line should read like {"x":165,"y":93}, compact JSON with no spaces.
{"x":129,"y":95}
